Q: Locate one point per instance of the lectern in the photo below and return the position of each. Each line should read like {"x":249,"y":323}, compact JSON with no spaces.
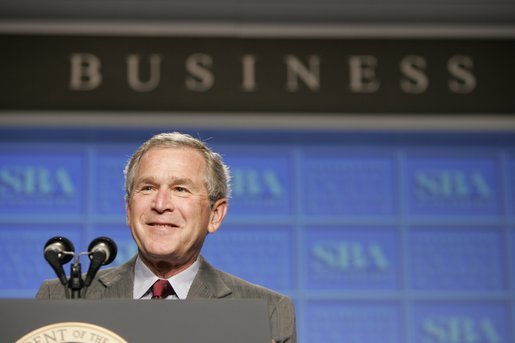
{"x":120,"y":320}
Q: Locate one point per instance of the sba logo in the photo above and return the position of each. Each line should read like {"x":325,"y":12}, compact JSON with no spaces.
{"x":254,"y":183}
{"x":350,"y":256}
{"x":459,"y":329}
{"x":35,"y":181}
{"x":451,"y":184}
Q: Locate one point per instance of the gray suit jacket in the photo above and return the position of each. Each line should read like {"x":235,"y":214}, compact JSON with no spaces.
{"x":118,"y":282}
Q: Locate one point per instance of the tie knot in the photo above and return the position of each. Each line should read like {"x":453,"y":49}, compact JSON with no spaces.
{"x":162,"y":289}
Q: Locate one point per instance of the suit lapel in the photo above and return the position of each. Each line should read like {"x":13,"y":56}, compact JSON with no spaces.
{"x":208,"y":283}
{"x":119,"y":282}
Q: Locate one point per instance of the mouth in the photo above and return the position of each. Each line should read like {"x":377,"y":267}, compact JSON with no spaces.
{"x":162,"y":225}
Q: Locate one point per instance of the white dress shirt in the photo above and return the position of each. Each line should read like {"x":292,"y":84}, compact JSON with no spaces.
{"x":144,"y":279}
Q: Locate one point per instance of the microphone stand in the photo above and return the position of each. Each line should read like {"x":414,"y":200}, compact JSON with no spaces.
{"x":75,"y":283}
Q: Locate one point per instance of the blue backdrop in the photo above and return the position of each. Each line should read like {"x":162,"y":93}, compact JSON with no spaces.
{"x":378,"y":237}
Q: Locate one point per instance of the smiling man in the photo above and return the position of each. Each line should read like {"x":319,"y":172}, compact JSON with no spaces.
{"x":177,"y":192}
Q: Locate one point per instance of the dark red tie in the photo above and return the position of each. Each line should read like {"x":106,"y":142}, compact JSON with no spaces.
{"x":162,"y":289}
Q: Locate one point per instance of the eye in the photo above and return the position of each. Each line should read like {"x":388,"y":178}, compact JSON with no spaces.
{"x":181,"y":191}
{"x":146,"y":188}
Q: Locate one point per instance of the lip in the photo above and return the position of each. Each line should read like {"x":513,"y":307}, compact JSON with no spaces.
{"x":165,"y":225}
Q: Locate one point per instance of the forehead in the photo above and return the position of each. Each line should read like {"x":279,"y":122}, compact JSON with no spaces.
{"x":178,"y":160}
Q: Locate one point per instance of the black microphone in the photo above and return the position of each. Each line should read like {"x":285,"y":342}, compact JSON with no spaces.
{"x":101,"y":251}
{"x":58,"y":251}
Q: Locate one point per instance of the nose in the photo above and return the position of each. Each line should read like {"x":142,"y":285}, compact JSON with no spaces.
{"x":163,"y":201}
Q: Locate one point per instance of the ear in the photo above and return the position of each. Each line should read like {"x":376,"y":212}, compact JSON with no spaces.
{"x":217,"y":215}
{"x":127,"y":212}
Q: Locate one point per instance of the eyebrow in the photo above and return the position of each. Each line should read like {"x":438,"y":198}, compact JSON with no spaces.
{"x":175,"y":181}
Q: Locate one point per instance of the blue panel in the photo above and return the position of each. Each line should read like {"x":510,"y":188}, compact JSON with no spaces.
{"x":23,"y":266}
{"x":452,"y":185}
{"x":512,"y":269}
{"x":438,"y":322}
{"x":378,"y":237}
{"x":348,"y":184}
{"x":512,"y":326}
{"x":458,"y":259}
{"x":262,"y":255}
{"x":511,"y":184}
{"x":108,"y":185}
{"x":261,"y":181}
{"x":121,"y":234}
{"x":363,"y":258}
{"x":353,"y":322}
{"x":36,"y":181}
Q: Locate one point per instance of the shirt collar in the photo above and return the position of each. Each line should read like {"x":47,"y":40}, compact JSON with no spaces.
{"x":181,"y":283}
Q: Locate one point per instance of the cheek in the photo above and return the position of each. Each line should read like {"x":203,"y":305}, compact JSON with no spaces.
{"x":137,"y":206}
{"x":127,"y":214}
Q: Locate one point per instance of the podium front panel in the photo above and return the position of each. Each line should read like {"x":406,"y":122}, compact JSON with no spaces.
{"x":195,"y":320}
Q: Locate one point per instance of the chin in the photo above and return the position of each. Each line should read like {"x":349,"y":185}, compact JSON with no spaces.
{"x":162,"y":251}
{"x":158,"y":249}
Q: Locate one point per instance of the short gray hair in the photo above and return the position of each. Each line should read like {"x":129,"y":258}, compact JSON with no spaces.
{"x":218,"y":177}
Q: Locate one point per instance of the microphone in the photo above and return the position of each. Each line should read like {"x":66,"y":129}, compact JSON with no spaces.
{"x":58,"y":251}
{"x":101,"y":251}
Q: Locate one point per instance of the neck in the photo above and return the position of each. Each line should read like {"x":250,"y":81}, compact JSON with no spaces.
{"x":165,"y":269}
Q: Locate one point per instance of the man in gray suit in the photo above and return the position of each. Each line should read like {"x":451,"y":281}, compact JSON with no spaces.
{"x":177,"y":191}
